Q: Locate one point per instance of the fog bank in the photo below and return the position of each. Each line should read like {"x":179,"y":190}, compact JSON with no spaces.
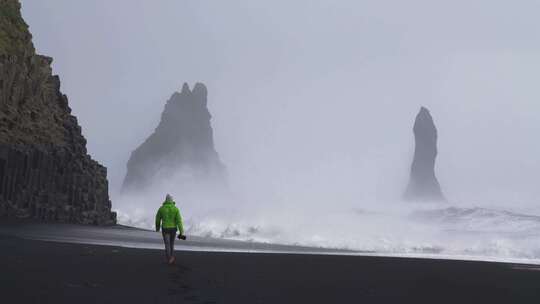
{"x":313,"y":104}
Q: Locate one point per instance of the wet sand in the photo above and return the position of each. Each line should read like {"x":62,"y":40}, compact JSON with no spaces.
{"x":124,"y":236}
{"x":51,"y":272}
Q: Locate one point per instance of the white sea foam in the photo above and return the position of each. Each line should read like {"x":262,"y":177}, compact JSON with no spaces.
{"x":452,"y":231}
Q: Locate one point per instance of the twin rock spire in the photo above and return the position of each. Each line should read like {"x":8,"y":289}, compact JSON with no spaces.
{"x":183,"y":140}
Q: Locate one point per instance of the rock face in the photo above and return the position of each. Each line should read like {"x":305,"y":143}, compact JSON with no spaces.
{"x":182,"y":144}
{"x":45,"y":171}
{"x":423,"y":184}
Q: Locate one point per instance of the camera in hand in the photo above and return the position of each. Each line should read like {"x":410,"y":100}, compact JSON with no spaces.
{"x":181,"y":237}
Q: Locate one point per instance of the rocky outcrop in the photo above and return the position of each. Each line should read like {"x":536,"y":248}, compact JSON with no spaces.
{"x":182,"y":144}
{"x":423,"y":184}
{"x":45,"y":171}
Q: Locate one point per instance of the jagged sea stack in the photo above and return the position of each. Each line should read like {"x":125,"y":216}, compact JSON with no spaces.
{"x":423,"y":184}
{"x":181,"y":145}
{"x":45,"y":171}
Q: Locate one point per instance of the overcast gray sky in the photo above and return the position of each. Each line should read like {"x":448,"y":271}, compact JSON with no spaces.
{"x":313,"y":96}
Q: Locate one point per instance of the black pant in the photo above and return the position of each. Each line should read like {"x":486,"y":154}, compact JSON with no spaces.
{"x":169,"y":234}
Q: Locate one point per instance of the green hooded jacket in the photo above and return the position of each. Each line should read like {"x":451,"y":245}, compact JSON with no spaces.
{"x":168,"y":216}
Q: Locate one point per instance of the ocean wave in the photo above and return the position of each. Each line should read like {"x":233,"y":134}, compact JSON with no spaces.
{"x":480,"y":220}
{"x":451,"y":231}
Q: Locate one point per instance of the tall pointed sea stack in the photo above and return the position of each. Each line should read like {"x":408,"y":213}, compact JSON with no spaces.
{"x":182,"y":144}
{"x":423,"y":184}
{"x":45,"y":171}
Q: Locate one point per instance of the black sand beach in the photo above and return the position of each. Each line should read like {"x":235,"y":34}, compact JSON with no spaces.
{"x":35,"y":271}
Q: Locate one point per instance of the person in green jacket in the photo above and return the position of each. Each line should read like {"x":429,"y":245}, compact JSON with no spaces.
{"x":169,"y":219}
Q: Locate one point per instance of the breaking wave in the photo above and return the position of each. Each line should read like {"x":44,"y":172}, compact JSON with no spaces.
{"x":452,"y":231}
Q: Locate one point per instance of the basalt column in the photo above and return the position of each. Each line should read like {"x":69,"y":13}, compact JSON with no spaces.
{"x":45,"y":170}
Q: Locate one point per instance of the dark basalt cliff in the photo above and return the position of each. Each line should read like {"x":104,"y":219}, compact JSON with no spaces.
{"x":423,"y":184}
{"x":45,"y":171}
{"x":182,"y":144}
